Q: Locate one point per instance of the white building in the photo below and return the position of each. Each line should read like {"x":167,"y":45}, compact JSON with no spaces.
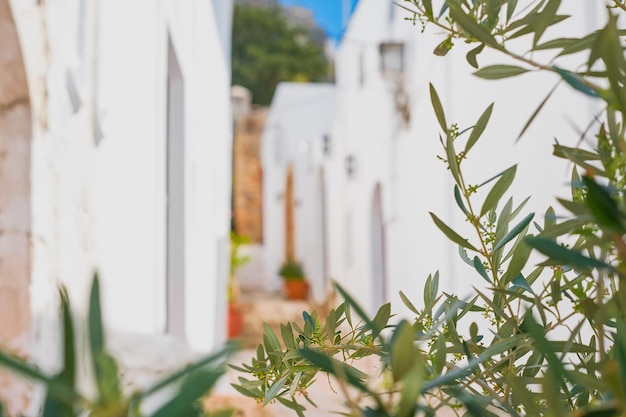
{"x":382,"y":174}
{"x":382,"y":239}
{"x":293,"y":148}
{"x":115,"y":134}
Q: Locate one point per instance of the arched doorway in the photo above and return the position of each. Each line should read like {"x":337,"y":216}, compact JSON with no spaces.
{"x":15,"y":198}
{"x":378,"y":275}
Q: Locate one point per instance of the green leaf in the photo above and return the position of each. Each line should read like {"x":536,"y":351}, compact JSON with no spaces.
{"x":479,"y":128}
{"x":68,"y":373}
{"x":520,"y":282}
{"x":537,"y":22}
{"x":493,"y":9}
{"x":104,"y":366}
{"x":498,"y":190}
{"x":497,"y":72}
{"x":334,"y":367}
{"x":563,"y":255}
{"x":293,"y":405}
{"x":403,"y":355}
{"x":213,"y":360}
{"x":577,"y":155}
{"x":55,"y":405}
{"x":534,"y":115}
{"x":246,"y":392}
{"x":96,"y":331}
{"x":475,"y":405}
{"x":567,"y":227}
{"x":275,"y":389}
{"x":603,"y":207}
{"x":22,"y":368}
{"x":497,"y":348}
{"x":451,"y":234}
{"x":559,"y":43}
{"x":464,"y":257}
{"x":510,"y":9}
{"x":556,"y":370}
{"x":498,"y":175}
{"x":409,"y":392}
{"x":620,"y":357}
{"x":408,"y":303}
{"x":444,"y":47}
{"x":184,"y":403}
{"x":472,"y":55}
{"x":431,"y":288}
{"x":472,"y":27}
{"x":287,"y":335}
{"x":459,"y":200}
{"x":452,"y":162}
{"x":517,"y":263}
{"x":577,"y":82}
{"x":549,"y":219}
{"x":294,"y":384}
{"x":519,"y":208}
{"x":428,"y":8}
{"x":612,"y":53}
{"x":381,"y":319}
{"x":357,"y":308}
{"x":478,"y":265}
{"x":440,"y":354}
{"x":502,"y":228}
{"x":438,"y":108}
{"x":515,"y":231}
{"x":270,"y":340}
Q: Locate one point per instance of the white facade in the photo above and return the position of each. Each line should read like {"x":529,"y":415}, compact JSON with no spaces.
{"x":129,"y":106}
{"x":299,"y":119}
{"x":382,"y":176}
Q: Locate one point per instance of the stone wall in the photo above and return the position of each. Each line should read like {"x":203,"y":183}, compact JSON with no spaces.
{"x":15,"y":207}
{"x":248,"y":176}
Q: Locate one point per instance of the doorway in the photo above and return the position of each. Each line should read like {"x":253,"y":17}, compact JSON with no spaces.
{"x":378,"y":265}
{"x":175,"y":196}
{"x":290,"y":232}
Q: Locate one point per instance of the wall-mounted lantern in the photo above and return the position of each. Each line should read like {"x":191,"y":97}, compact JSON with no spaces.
{"x":392,"y":59}
{"x":392,"y":68}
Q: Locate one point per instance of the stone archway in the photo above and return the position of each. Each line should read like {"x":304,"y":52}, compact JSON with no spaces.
{"x":15,"y":184}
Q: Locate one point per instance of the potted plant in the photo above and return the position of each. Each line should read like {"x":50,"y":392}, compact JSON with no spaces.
{"x":235,"y":315}
{"x":294,"y":280}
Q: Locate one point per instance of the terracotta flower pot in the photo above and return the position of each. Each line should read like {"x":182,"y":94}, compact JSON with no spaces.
{"x":296,"y":289}
{"x":235,"y":321}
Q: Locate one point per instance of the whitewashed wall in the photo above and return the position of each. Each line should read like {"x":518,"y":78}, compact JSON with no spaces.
{"x":97,"y":73}
{"x":403,"y":162}
{"x":299,"y":118}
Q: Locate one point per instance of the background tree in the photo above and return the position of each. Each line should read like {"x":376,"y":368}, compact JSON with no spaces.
{"x":267,"y":49}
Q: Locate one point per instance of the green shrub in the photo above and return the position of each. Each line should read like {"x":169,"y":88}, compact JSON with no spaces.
{"x":292,"y":270}
{"x":546,"y":340}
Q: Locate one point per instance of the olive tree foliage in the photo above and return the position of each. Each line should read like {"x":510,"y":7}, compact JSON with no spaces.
{"x":87,"y":365}
{"x":537,"y":340}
